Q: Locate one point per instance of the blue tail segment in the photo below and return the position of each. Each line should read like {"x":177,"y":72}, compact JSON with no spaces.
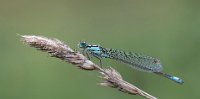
{"x":174,"y":78}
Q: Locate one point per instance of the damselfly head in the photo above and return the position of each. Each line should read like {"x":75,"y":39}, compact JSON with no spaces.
{"x":82,"y":45}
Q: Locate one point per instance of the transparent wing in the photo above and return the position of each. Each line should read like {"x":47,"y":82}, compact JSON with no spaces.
{"x":135,"y":60}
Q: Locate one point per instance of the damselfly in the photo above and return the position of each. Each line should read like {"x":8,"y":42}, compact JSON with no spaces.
{"x":138,"y":61}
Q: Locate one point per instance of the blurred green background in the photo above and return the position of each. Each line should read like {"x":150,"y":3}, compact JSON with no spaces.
{"x":168,"y":30}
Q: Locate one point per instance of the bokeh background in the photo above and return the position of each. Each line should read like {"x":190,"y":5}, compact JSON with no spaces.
{"x":169,"y":30}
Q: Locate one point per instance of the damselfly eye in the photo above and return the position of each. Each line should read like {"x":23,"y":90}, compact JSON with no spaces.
{"x":82,"y":45}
